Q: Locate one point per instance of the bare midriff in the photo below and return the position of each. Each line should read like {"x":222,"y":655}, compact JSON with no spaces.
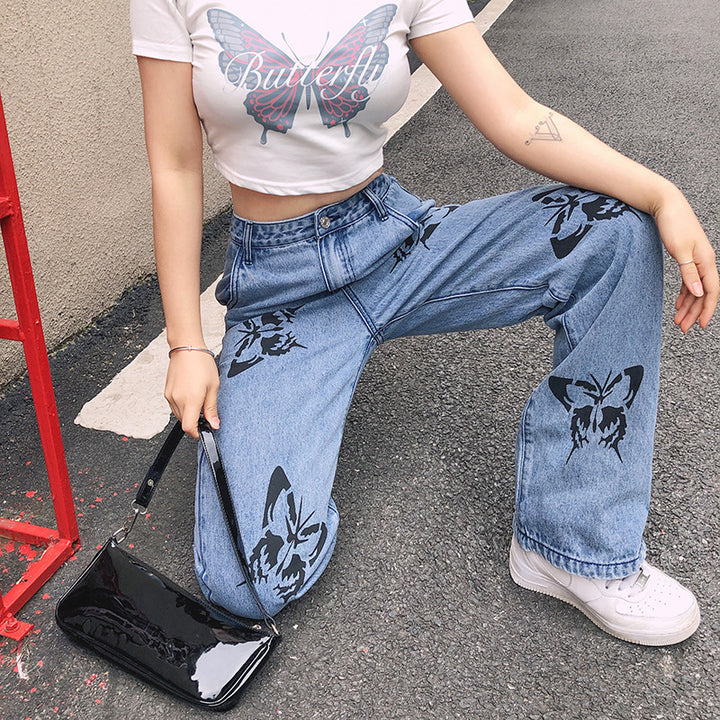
{"x":261,"y":207}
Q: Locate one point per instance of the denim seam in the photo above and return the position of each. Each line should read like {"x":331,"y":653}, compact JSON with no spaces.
{"x":322,"y":267}
{"x":364,"y":315}
{"x":385,"y":190}
{"x":557,"y":297}
{"x":369,"y":346}
{"x":346,"y":261}
{"x":377,"y":202}
{"x":355,"y":219}
{"x":259,"y":244}
{"x":553,"y":551}
{"x":321,"y":235}
{"x":568,"y":334}
{"x":247,"y":244}
{"x":524,"y":440}
{"x":234,"y":276}
{"x":397,"y":318}
{"x":414,"y":226}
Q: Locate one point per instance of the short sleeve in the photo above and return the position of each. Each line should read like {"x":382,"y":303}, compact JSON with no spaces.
{"x":159,"y":31}
{"x":436,"y":15}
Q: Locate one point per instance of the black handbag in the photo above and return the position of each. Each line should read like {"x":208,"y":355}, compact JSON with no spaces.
{"x":144,"y":622}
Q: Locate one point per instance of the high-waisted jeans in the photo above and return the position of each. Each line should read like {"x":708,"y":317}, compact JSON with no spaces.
{"x":309,"y":299}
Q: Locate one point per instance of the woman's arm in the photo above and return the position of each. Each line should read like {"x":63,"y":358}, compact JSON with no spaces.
{"x":174,"y":143}
{"x":549,"y":143}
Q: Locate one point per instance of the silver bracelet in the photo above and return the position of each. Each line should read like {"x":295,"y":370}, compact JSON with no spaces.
{"x":191,"y":347}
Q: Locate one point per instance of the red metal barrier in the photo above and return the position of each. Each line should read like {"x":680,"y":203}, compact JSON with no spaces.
{"x":27,"y":329}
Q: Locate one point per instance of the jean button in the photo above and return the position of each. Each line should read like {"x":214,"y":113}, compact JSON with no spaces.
{"x":324,"y":222}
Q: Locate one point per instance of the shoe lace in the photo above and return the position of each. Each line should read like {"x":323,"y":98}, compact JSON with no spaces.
{"x":632,"y":584}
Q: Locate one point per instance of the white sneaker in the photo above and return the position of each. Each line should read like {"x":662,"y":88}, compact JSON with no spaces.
{"x":647,"y":607}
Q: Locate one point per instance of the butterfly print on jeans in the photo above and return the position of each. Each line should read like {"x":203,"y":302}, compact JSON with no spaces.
{"x":264,"y":337}
{"x":291,"y":544}
{"x":276,"y":82}
{"x":576,"y":212}
{"x":428,"y":225}
{"x":598,"y":409}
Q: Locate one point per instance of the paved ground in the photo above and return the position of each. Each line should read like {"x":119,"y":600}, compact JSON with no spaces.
{"x":416,"y":616}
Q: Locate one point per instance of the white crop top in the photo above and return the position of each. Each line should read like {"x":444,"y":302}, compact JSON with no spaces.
{"x":293,"y":95}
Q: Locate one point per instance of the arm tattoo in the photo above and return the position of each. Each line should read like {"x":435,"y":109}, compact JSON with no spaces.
{"x":546,"y":129}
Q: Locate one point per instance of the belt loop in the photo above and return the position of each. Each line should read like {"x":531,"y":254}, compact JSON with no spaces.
{"x":378,"y":204}
{"x":247,"y":243}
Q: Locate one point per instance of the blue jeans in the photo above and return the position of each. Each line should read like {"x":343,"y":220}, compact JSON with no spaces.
{"x":309,"y":299}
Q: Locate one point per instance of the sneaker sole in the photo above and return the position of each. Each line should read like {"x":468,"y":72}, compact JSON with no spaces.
{"x":531,"y":580}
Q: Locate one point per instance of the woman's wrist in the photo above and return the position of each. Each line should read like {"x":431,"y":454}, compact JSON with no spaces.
{"x":190,"y":348}
{"x":664,"y":194}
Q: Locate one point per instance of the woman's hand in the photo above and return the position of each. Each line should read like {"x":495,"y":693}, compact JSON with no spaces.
{"x":191,"y":386}
{"x":687,"y":243}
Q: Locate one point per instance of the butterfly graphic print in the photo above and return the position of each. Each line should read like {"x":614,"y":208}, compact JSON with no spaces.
{"x":598,"y":408}
{"x":292,"y":542}
{"x":276,"y":82}
{"x":264,"y":337}
{"x":576,"y":212}
{"x":428,"y":225}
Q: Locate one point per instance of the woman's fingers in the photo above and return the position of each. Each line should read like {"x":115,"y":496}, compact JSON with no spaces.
{"x":187,"y":412}
{"x":691,"y":278}
{"x":682,"y":306}
{"x":711,"y":284}
{"x":682,"y":295}
{"x":190,"y":417}
{"x":210,"y":408}
{"x":691,"y":308}
{"x":688,"y":244}
{"x":688,"y":314}
{"x":708,"y":310}
{"x":191,"y":387}
{"x":698,"y":296}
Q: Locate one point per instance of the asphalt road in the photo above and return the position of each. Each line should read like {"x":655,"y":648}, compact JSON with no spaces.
{"x":416,"y":616}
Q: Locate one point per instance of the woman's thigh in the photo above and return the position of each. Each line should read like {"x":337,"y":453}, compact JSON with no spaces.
{"x":498,"y":261}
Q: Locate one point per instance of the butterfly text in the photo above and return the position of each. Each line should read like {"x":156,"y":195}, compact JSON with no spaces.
{"x":254,"y":75}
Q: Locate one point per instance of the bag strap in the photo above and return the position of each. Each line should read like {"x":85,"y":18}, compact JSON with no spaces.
{"x":147,"y":488}
{"x":212,"y":453}
{"x":153,"y":475}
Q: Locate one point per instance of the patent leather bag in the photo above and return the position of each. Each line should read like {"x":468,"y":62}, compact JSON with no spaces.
{"x":135,"y":616}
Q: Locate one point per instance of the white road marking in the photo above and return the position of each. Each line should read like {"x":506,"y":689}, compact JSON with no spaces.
{"x":486,"y":18}
{"x":133,"y":404}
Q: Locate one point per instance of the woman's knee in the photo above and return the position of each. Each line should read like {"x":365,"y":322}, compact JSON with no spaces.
{"x":629,"y":243}
{"x":642,"y":234}
{"x":641,"y":251}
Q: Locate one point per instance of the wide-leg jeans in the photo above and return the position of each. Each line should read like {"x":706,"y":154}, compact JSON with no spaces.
{"x":309,"y":299}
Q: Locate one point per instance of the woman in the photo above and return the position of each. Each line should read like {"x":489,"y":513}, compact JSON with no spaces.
{"x":328,"y":257}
